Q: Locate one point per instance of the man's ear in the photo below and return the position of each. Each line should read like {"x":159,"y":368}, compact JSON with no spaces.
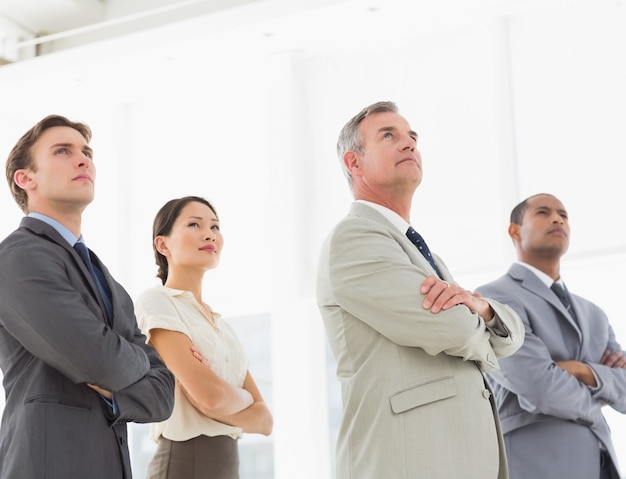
{"x":352,"y":162}
{"x":24,"y":179}
{"x":161,"y":245}
{"x":514,"y":232}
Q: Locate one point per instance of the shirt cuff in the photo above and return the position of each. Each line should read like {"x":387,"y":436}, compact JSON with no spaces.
{"x":112,"y":404}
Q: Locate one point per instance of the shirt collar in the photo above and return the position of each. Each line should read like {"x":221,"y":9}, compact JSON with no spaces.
{"x":184,"y":294}
{"x":62,"y":230}
{"x":547,"y":280}
{"x":393,"y":217}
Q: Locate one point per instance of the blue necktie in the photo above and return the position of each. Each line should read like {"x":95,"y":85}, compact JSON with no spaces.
{"x":82,"y":250}
{"x":418,"y":241}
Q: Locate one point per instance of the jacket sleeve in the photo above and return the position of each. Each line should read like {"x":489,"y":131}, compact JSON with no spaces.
{"x":151,"y":398}
{"x":507,"y":334}
{"x":611,"y":388}
{"x":374,"y":280}
{"x":531,"y":374}
{"x":46,"y":307}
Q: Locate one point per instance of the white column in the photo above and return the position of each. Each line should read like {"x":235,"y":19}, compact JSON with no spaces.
{"x":299,"y":356}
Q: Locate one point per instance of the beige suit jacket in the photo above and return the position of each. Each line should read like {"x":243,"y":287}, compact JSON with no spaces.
{"x":416,"y":404}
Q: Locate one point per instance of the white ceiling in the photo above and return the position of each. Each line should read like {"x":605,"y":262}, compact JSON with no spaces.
{"x":149,"y":39}
{"x":45,"y":17}
{"x":50,"y":16}
{"x":34,"y":27}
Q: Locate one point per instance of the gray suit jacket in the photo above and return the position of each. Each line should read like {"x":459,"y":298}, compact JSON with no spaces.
{"x":553,"y":424}
{"x":53,"y":340}
{"x":416,"y":404}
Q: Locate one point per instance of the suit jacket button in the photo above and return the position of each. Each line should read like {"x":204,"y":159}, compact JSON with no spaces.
{"x":486,"y":393}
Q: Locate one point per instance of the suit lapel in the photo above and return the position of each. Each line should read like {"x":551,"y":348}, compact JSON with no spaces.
{"x":530,"y":282}
{"x":581,"y":323}
{"x":42,"y":229}
{"x":365,"y":211}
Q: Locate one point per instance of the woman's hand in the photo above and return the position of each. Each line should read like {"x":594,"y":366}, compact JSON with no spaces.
{"x":199,"y":356}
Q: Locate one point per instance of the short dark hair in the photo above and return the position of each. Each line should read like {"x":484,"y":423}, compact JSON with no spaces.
{"x":20,"y":157}
{"x":517,"y":214}
{"x":163,"y":224}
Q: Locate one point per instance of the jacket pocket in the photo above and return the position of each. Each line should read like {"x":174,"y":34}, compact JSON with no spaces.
{"x":48,"y":400}
{"x":421,"y":394}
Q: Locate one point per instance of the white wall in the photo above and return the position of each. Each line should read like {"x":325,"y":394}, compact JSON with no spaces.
{"x":506,"y":105}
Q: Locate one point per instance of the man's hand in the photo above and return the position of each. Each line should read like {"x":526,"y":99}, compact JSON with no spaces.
{"x":441,"y":296}
{"x":580,"y":371}
{"x":613,"y":360}
{"x":102,"y":392}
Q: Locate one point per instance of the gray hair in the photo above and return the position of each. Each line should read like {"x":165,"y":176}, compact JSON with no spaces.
{"x":350,"y":137}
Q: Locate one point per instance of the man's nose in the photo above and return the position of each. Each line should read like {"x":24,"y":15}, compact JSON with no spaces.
{"x":409,"y":143}
{"x":84,"y":160}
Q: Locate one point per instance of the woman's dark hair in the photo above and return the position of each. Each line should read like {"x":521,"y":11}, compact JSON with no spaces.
{"x":163,"y":223}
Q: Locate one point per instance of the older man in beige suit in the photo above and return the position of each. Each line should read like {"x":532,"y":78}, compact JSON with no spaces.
{"x":411,"y":345}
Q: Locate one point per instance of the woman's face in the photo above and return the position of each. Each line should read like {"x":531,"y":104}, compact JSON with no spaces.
{"x":195,"y":240}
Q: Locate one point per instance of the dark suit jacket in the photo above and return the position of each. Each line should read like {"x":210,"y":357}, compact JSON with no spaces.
{"x":553,"y":424}
{"x":54,"y":339}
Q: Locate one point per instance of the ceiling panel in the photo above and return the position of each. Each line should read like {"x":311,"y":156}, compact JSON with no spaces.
{"x":38,"y":17}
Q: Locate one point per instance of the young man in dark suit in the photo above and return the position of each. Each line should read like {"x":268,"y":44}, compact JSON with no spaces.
{"x":76,"y":367}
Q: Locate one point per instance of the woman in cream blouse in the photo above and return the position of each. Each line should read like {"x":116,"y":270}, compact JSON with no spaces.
{"x":216,"y":399}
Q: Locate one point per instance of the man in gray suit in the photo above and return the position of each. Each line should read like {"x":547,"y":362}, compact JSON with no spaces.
{"x":551,"y":392}
{"x":76,"y":367}
{"x":411,"y":345}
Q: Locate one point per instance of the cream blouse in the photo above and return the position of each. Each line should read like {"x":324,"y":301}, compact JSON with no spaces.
{"x":175,"y":310}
